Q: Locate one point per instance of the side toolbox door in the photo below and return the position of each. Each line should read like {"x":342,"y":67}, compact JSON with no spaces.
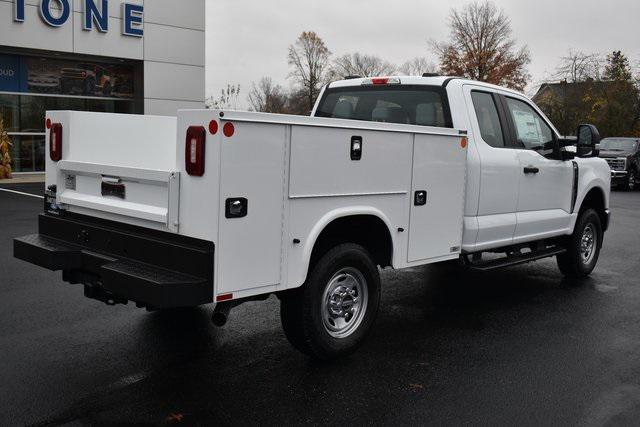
{"x":251,"y":203}
{"x":437,"y":198}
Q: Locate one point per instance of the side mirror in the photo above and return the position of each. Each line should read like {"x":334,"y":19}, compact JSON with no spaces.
{"x":588,"y":139}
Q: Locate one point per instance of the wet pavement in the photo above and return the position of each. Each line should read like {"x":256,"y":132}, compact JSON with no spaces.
{"x":516,"y":346}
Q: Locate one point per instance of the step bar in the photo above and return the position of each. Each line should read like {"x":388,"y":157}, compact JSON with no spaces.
{"x":512,"y":260}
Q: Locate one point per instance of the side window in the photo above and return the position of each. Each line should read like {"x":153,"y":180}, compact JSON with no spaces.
{"x":531,"y":131}
{"x":488,"y":119}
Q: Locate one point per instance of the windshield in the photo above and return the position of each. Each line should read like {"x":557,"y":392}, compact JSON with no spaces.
{"x":414,"y":105}
{"x":618,"y":144}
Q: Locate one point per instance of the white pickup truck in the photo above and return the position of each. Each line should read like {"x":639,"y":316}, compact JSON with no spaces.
{"x":224,"y":207}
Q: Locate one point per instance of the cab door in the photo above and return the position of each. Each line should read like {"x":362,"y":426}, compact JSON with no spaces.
{"x":499,"y":169}
{"x":545,"y":183}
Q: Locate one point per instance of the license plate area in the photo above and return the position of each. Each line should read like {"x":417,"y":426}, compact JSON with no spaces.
{"x":113,"y":187}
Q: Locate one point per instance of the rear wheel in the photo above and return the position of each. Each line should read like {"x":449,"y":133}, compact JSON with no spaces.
{"x":331,"y":314}
{"x":583,"y":247}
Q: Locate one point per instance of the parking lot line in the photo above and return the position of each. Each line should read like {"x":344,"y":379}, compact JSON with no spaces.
{"x":22,"y":193}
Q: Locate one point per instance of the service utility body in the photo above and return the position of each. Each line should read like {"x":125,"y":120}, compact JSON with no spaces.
{"x":224,"y":207}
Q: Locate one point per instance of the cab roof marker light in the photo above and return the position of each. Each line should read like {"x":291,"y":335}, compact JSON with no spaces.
{"x":381,"y":81}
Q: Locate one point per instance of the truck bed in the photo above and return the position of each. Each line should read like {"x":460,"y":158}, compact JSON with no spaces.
{"x":295,"y":175}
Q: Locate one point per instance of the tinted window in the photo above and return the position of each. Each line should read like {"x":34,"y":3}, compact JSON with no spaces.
{"x":531,"y":130}
{"x":488,"y":119}
{"x":408,"y":105}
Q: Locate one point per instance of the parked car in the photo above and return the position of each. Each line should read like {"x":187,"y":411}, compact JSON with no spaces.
{"x":388,"y":172}
{"x":623,"y":157}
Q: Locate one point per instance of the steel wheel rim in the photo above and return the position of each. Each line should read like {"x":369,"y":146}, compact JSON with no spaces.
{"x":588,"y":243}
{"x":632,"y":181}
{"x":344,"y":302}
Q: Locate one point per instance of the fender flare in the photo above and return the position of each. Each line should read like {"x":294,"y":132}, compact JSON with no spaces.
{"x":331,"y":216}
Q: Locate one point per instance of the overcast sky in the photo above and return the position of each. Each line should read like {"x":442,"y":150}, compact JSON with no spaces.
{"x":248,"y":39}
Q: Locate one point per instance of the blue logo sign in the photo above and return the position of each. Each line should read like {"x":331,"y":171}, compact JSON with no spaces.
{"x":94,"y":12}
{"x":12,"y":74}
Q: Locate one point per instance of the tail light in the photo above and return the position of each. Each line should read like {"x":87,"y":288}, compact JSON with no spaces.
{"x":55,"y":142}
{"x":194,"y":150}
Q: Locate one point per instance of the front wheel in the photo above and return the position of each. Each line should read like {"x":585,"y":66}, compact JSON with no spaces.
{"x":583,"y":246}
{"x":632,"y":180}
{"x":331,"y":314}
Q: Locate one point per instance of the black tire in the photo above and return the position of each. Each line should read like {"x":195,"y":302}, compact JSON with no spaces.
{"x":573,"y":263}
{"x":631,"y":184}
{"x":305,"y":322}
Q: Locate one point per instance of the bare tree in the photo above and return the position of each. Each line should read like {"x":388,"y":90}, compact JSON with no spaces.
{"x":481,"y":47}
{"x":357,"y":64}
{"x":267,"y":97}
{"x":228,"y":98}
{"x":578,"y":66}
{"x":309,"y":59}
{"x":418,"y":66}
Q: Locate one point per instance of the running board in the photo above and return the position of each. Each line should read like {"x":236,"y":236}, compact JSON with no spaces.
{"x":514,"y":259}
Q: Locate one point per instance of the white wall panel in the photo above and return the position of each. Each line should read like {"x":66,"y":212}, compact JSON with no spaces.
{"x":177,"y":13}
{"x":165,"y":107}
{"x":115,"y":6}
{"x":33,"y":33}
{"x":173,"y":44}
{"x":111,"y":43}
{"x":173,"y":81}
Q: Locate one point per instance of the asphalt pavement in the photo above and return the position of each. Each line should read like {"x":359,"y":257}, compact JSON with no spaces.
{"x":519,"y":346}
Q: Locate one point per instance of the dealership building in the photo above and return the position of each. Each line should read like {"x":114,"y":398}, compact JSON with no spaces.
{"x":121,"y":56}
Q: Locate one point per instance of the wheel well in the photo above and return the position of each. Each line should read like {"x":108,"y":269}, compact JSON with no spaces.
{"x":368,"y":231}
{"x":595,"y":200}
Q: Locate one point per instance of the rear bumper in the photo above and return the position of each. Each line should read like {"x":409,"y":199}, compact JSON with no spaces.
{"x":119,"y":263}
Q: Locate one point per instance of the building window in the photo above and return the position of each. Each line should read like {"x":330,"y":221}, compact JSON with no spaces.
{"x":31,"y":85}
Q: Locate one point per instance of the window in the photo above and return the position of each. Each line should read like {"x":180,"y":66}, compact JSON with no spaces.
{"x":488,"y":118}
{"x":531,"y":131}
{"x":415,"y":105}
{"x":9,"y":112}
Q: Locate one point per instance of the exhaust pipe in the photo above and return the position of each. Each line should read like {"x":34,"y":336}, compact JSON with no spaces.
{"x":221,"y":313}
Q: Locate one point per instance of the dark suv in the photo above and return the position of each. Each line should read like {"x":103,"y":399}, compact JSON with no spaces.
{"x":623,"y":156}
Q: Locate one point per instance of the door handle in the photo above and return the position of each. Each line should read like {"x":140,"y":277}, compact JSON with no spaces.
{"x":356,"y":147}
{"x":531,"y":169}
{"x":236,"y":207}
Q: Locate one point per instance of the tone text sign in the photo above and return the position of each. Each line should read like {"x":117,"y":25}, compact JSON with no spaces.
{"x":56,"y":13}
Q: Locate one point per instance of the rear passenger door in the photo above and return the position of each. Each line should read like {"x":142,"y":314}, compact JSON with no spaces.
{"x":499,"y":170}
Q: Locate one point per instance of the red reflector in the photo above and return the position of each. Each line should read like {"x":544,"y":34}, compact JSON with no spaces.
{"x":213,"y":127}
{"x":194,"y":150}
{"x":228,"y":130}
{"x":380,"y":80}
{"x":224,"y":297}
{"x":48,"y":123}
{"x":55,"y":142}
